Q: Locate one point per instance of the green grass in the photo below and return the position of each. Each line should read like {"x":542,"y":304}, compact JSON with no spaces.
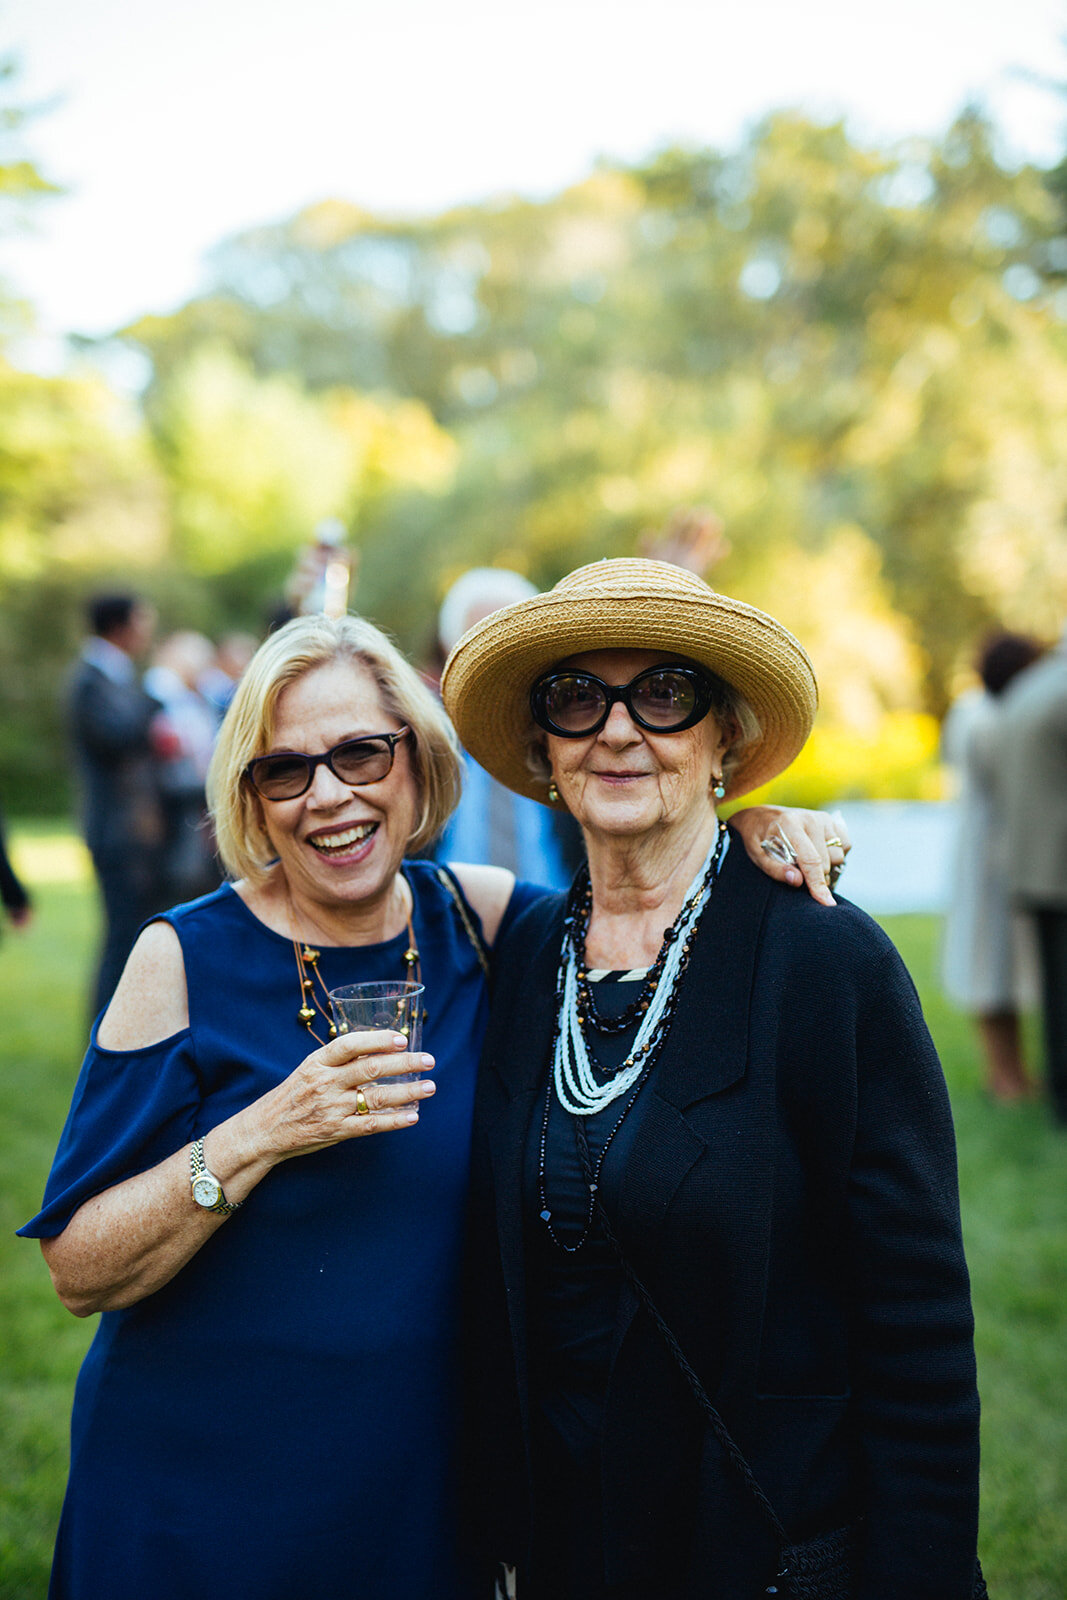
{"x":1013,"y":1175}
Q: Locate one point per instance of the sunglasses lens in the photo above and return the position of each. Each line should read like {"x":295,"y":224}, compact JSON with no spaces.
{"x":663,"y":699}
{"x":572,"y":703}
{"x":280,"y":777}
{"x":362,"y":760}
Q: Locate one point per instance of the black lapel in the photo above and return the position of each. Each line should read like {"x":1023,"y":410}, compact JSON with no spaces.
{"x":708,"y":1045}
{"x":707,"y":1049}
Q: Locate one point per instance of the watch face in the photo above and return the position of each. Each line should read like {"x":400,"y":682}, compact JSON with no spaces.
{"x":206,"y":1192}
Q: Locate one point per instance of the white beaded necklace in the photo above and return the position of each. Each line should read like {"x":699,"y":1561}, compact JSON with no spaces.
{"x":577,"y":1088}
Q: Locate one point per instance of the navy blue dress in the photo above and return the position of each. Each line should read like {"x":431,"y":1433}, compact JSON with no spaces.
{"x":280,"y":1420}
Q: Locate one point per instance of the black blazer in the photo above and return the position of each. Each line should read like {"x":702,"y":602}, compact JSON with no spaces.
{"x":791,"y":1204}
{"x":109,"y":730}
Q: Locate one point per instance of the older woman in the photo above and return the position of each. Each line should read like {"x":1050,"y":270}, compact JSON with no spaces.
{"x":721,"y":1308}
{"x":269,"y":1408}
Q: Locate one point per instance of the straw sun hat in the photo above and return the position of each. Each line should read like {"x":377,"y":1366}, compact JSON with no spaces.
{"x":626,"y":605}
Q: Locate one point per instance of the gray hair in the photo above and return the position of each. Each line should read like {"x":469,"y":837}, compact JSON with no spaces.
{"x":481,"y":591}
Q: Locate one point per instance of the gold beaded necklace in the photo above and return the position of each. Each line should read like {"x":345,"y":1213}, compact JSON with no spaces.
{"x":307,"y":962}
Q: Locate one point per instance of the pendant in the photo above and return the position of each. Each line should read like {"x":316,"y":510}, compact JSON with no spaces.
{"x":546,"y":1215}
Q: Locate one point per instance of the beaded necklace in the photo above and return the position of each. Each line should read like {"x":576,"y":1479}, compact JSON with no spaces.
{"x":577,"y":1088}
{"x":312,"y":1008}
{"x":655,"y":1004}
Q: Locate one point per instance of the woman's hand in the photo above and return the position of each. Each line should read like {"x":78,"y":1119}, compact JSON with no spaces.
{"x":796,"y":847}
{"x":344,"y":1090}
{"x":128,"y":1241}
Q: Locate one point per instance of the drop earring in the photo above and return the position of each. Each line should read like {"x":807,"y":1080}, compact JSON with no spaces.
{"x":719,"y":787}
{"x":553,"y":793}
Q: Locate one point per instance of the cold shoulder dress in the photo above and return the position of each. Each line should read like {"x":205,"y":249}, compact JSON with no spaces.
{"x":279,"y":1422}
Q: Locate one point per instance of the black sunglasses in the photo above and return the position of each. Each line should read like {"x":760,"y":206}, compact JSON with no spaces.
{"x":289,"y":774}
{"x":667,"y":699}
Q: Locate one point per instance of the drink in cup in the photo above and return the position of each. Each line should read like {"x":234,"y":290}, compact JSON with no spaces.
{"x":395,"y":1007}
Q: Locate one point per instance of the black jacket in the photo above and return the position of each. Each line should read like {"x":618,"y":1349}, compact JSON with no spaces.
{"x":791,"y":1204}
{"x":109,"y":727}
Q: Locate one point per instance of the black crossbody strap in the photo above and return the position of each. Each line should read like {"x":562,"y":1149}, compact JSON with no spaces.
{"x":466,"y":916}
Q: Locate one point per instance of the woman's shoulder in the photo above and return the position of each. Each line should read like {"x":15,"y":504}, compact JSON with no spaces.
{"x":798,"y":926}
{"x":536,"y":915}
{"x":150,"y":1002}
{"x":493,"y":894}
{"x":220,"y":904}
{"x":838,"y":955}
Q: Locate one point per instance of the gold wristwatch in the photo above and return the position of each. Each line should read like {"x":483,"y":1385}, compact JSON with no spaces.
{"x":207,"y":1190}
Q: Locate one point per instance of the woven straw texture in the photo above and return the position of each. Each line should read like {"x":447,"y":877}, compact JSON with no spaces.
{"x":633,"y":605}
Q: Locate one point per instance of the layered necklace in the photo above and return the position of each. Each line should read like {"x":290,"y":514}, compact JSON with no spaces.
{"x":312,"y":1008}
{"x":578,"y":1088}
{"x":573,"y":1078}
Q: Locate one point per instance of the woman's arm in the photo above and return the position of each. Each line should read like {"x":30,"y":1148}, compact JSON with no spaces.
{"x":131,"y":1239}
{"x":817,"y":840}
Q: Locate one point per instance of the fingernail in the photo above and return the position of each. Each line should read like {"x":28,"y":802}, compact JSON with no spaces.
{"x":411,"y":1116}
{"x":793,"y":876}
{"x":400,"y":1041}
{"x":427,"y":1062}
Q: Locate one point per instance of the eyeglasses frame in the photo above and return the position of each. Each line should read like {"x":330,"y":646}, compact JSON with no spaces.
{"x":615,"y":692}
{"x":326,"y":759}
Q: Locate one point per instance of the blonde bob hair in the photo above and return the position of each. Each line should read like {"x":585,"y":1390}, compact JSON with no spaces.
{"x":294,"y":650}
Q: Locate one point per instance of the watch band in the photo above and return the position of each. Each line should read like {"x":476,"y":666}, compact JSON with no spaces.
{"x":198,"y":1168}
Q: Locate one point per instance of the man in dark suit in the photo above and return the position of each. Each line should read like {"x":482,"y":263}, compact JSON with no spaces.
{"x":1032,"y":773}
{"x":109,"y":717}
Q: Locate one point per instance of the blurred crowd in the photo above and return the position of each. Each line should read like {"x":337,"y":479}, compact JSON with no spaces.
{"x":1005,"y":944}
{"x":142,"y":743}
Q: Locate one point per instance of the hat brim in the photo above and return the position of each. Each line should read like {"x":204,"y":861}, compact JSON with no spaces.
{"x":487,"y":678}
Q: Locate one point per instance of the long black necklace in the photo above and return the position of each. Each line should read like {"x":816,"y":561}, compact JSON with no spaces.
{"x":575,"y":928}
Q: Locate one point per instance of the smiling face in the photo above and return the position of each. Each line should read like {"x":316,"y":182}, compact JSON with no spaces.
{"x":339,"y":846}
{"x":624,"y":781}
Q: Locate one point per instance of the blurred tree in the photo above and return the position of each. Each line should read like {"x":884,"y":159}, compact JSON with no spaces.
{"x":21,"y":185}
{"x":806,"y":334}
{"x":857,"y":357}
{"x":253,"y":464}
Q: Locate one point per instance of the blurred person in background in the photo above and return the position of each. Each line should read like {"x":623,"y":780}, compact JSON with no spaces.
{"x":219,"y":683}
{"x":109,"y":720}
{"x":989,"y":961}
{"x":13,"y":895}
{"x":1031,"y":765}
{"x":491,"y":825}
{"x":183,"y":738}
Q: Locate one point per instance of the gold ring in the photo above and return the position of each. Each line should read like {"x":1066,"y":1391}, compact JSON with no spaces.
{"x":361,"y":1105}
{"x":831,"y":842}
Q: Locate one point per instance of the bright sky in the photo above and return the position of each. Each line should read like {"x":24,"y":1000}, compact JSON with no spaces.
{"x":175,"y":125}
